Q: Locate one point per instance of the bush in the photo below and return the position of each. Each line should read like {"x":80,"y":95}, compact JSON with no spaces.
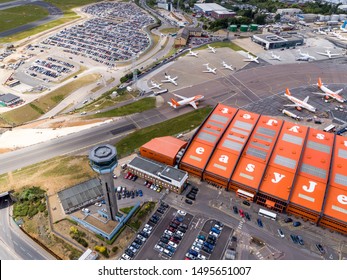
{"x":115,"y":249}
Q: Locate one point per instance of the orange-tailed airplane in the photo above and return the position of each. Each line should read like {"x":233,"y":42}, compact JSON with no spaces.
{"x":298,"y":104}
{"x":193,"y":101}
{"x":328,"y":92}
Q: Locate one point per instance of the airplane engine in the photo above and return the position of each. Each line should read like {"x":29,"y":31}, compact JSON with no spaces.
{"x":298,"y":108}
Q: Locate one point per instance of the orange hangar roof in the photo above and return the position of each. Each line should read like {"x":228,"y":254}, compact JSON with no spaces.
{"x":230,"y":147}
{"x":166,"y":145}
{"x":279,"y":175}
{"x":209,"y":133}
{"x":311,"y":181}
{"x":336,"y":201}
{"x":253,"y":161}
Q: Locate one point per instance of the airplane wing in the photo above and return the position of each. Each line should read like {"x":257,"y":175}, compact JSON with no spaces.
{"x":165,"y":81}
{"x":174,"y":79}
{"x":306,"y":99}
{"x":179,"y":96}
{"x":291,"y":105}
{"x":193,"y":104}
{"x":338,"y":91}
{"x":322,"y":53}
{"x":319,"y":93}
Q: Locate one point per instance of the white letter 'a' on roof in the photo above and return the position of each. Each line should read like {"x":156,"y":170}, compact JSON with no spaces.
{"x":224,"y":158}
{"x":225,"y":111}
{"x":246,"y":116}
{"x":200,"y":150}
{"x":342,"y":199}
{"x":278,"y":177}
{"x":320,"y":136}
{"x":271,"y":121}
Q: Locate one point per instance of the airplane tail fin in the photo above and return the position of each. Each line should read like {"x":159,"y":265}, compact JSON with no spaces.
{"x":320,"y":82}
{"x":174,"y":103}
{"x":344,"y":24}
{"x":287,"y":91}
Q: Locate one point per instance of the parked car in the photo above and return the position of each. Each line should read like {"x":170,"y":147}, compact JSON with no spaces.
{"x":260,"y":223}
{"x":245,"y":202}
{"x":235,"y":209}
{"x":320,"y":248}
{"x":188,"y":201}
{"x":296,"y":224}
{"x":288,"y":220}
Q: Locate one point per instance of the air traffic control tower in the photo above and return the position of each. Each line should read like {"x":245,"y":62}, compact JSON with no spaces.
{"x":103,"y":160}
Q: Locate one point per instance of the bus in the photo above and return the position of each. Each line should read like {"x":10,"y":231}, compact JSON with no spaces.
{"x":329,"y":128}
{"x":267,"y":214}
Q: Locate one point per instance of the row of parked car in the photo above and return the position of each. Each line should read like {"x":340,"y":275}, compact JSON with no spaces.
{"x":143,"y":235}
{"x":172,"y":236}
{"x":242,"y":213}
{"x":152,"y":186}
{"x":191,"y":195}
{"x":205,"y":244}
{"x":131,"y":176}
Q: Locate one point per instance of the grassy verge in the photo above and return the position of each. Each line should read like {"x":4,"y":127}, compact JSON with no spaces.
{"x":69,"y":15}
{"x":135,"y":107}
{"x":45,"y":103}
{"x":186,"y":122}
{"x":169,"y":30}
{"x":18,"y":16}
{"x":51,"y":175}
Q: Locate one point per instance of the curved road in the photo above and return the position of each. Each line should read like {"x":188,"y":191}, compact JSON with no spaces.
{"x":54,"y":13}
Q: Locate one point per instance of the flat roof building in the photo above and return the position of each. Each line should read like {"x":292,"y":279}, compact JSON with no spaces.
{"x":9,"y":99}
{"x":281,"y":165}
{"x":207,"y":8}
{"x":163,"y":149}
{"x":273,"y":41}
{"x":160,"y":174}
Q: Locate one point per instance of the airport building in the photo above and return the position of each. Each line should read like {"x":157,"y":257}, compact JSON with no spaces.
{"x":208,"y":8}
{"x":160,"y":174}
{"x":9,"y":99}
{"x":278,"y":164}
{"x":165,"y":149}
{"x":272,"y":41}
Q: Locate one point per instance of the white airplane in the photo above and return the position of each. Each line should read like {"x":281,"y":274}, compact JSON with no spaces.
{"x":273,"y":56}
{"x":343,"y":27}
{"x":298,"y":104}
{"x":251,"y":58}
{"x":328,"y":92}
{"x":305,"y":56}
{"x":328,"y":54}
{"x":209,"y":69}
{"x":226,"y":66}
{"x":212,"y":49}
{"x":321,"y":32}
{"x":169,"y":79}
{"x":193,"y":101}
{"x":191,"y":53}
{"x":155,"y":85}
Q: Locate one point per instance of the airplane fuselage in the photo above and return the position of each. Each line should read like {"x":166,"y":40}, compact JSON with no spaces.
{"x":331,"y":94}
{"x":300,"y":103}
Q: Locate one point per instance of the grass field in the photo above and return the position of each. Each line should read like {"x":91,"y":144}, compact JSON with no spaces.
{"x":169,"y":30}
{"x":186,"y":122}
{"x":51,"y":175}
{"x":65,"y":6}
{"x":18,"y":16}
{"x":47,"y":102}
{"x":135,"y":107}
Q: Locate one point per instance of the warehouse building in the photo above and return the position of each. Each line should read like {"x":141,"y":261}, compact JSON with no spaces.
{"x":165,"y":149}
{"x":208,"y":8}
{"x":9,"y":99}
{"x":273,"y":41}
{"x":278,"y":164}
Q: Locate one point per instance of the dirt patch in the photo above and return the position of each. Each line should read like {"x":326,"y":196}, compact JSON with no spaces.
{"x":2,"y":150}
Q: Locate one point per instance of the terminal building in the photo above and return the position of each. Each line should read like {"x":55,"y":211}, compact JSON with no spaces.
{"x":272,"y":41}
{"x":208,"y":8}
{"x":278,"y":164}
